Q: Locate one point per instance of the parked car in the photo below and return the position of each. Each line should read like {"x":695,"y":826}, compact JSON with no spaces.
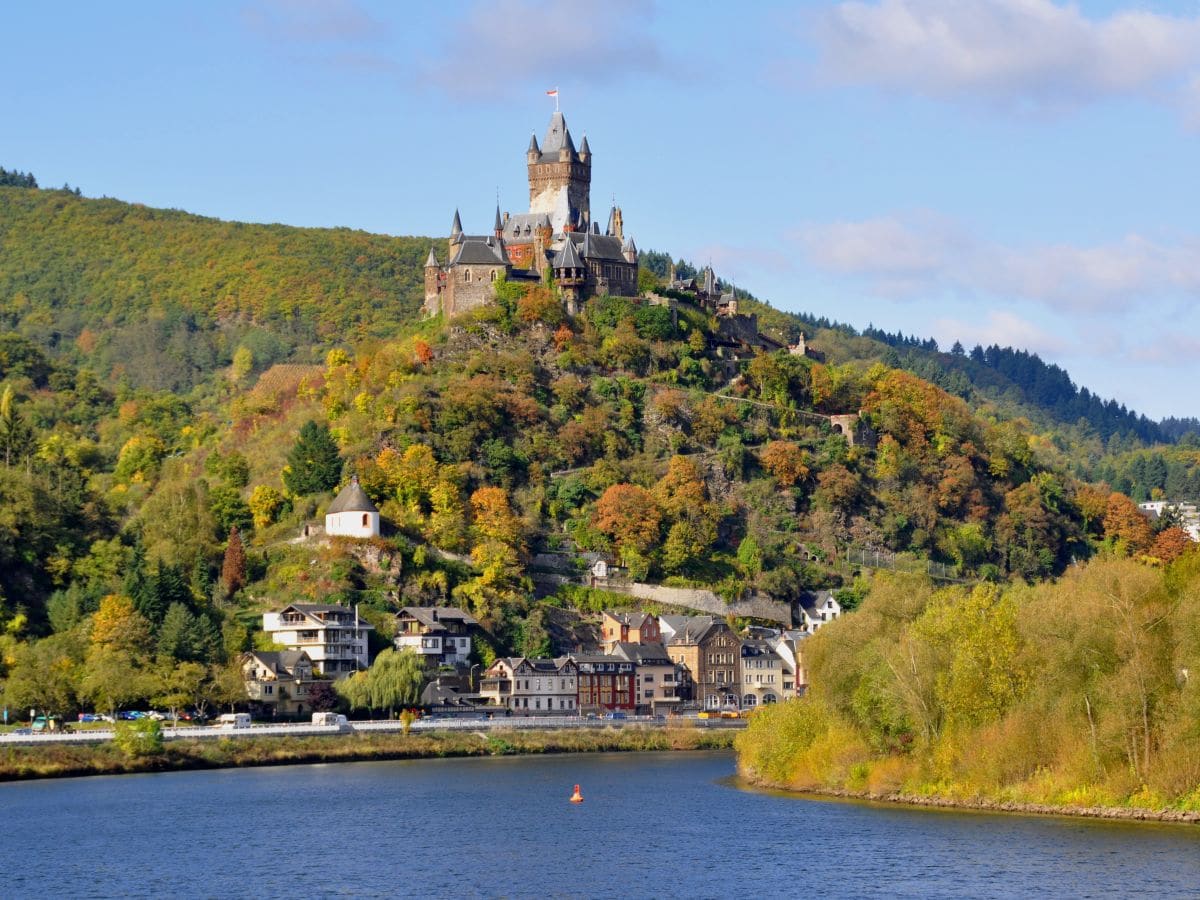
{"x":25,"y":730}
{"x":614,"y":715}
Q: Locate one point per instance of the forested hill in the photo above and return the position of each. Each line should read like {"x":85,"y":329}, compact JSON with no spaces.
{"x":162,"y":297}
{"x":1016,"y":381}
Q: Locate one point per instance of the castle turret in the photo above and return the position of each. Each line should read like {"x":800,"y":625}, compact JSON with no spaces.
{"x":585,"y":152}
{"x":456,"y":234}
{"x":629,"y":251}
{"x":570,"y":274}
{"x":498,"y":227}
{"x":616,"y":224}
{"x":432,"y":271}
{"x":534,"y":151}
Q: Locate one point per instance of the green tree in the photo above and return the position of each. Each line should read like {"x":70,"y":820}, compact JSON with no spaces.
{"x":139,"y":739}
{"x":314,"y":464}
{"x":395,"y":679}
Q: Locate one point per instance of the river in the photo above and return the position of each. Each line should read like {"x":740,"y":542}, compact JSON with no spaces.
{"x":651,"y":825}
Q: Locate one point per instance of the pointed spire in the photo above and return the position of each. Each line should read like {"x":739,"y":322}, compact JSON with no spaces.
{"x":568,"y":144}
{"x":584,"y":149}
{"x":431,"y":260}
{"x":456,"y":226}
{"x":612,"y":221}
{"x":533,"y":144}
{"x":499,"y":226}
{"x":568,"y":257}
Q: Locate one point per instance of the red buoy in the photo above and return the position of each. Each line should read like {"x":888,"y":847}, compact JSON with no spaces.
{"x":577,"y":797}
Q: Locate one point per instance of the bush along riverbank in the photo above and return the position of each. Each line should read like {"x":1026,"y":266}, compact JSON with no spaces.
{"x":65,"y":760}
{"x":1079,"y":697}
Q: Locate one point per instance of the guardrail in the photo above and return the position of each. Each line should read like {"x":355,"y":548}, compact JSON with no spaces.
{"x":433,"y":723}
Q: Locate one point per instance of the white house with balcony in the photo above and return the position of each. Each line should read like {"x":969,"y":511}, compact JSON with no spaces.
{"x":352,"y":514}
{"x":440,"y":635}
{"x":334,"y":637}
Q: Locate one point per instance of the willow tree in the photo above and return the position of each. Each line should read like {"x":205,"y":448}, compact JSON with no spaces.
{"x":395,"y":680}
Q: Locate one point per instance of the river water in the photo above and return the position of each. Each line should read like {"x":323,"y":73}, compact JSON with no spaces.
{"x":651,"y":825}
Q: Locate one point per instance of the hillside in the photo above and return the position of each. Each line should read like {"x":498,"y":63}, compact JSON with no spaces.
{"x":161,"y":298}
{"x":161,"y":367}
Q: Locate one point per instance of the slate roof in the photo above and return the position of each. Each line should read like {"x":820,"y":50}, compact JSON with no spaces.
{"x":351,"y":498}
{"x":521,"y":227}
{"x":812,"y":601}
{"x":643,"y":654}
{"x":479,"y":250}
{"x":456,"y":225}
{"x":434,"y":616}
{"x":568,"y":257}
{"x":597,"y":246}
{"x":557,"y":137}
{"x":694,"y":630}
{"x":281,"y":662}
{"x":431,"y":260}
{"x":584,"y":148}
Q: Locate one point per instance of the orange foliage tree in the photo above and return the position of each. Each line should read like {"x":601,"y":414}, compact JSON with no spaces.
{"x":786,"y":461}
{"x":1124,"y":522}
{"x":629,"y":515}
{"x":1171,"y":544}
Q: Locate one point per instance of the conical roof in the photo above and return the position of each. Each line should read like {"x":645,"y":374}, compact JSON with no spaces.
{"x":568,"y":256}
{"x":351,"y":498}
{"x":431,"y":260}
{"x":629,"y":246}
{"x":499,"y":226}
{"x":533,"y":144}
{"x":584,"y":149}
{"x":456,"y":225}
{"x":556,"y":134}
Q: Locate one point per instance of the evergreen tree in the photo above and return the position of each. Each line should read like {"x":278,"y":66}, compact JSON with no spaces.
{"x":233,"y":569}
{"x":175,"y":635}
{"x":314,"y":464}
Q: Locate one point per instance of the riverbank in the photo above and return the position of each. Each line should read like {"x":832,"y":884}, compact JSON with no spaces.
{"x":20,"y":763}
{"x":1121,"y":813}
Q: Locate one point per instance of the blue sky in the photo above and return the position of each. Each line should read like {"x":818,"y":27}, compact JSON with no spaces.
{"x":1016,"y":171}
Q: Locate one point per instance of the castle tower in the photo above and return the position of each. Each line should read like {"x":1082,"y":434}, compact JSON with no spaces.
{"x":432,"y":271}
{"x":629,"y":250}
{"x":616,"y":224}
{"x":560,"y":178}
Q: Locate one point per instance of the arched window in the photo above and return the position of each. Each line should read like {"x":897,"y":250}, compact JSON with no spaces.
{"x":493,"y":274}
{"x":467,"y":275}
{"x":366,"y":520}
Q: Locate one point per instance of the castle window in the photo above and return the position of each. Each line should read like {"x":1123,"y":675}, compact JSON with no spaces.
{"x":493,"y":274}
{"x":467,"y":275}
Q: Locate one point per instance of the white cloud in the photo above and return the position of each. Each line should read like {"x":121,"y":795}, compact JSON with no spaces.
{"x":925,"y":256}
{"x":311,"y":21}
{"x":1018,"y":53}
{"x":500,"y":45}
{"x":1000,"y":327}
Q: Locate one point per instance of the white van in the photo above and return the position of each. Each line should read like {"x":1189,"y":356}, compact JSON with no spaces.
{"x":233,"y":720}
{"x":329,"y":718}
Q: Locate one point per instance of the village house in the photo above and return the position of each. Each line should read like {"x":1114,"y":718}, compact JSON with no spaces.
{"x":352,"y":514}
{"x":788,"y":646}
{"x":278,"y":681}
{"x":656,"y":677}
{"x":816,"y":608}
{"x":607,"y":683}
{"x":712,"y":654}
{"x":762,"y":673}
{"x":440,"y":635}
{"x":532,"y":687}
{"x":334,"y":637}
{"x":635,"y":628}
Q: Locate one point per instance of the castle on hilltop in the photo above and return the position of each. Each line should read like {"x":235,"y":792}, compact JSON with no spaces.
{"x":556,"y":239}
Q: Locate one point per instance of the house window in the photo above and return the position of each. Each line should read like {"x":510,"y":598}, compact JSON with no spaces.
{"x":268,"y":689}
{"x":366,"y":520}
{"x":467,"y":275}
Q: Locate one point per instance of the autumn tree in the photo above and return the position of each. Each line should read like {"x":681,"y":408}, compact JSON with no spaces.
{"x":233,"y":568}
{"x":628,"y":514}
{"x":1124,"y":523}
{"x":786,"y":461}
{"x":1170,"y":544}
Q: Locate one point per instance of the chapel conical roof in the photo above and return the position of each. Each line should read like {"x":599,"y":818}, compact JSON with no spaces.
{"x":351,"y":498}
{"x":568,"y":256}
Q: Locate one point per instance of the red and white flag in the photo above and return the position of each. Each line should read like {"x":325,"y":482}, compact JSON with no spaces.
{"x":553,"y":93}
